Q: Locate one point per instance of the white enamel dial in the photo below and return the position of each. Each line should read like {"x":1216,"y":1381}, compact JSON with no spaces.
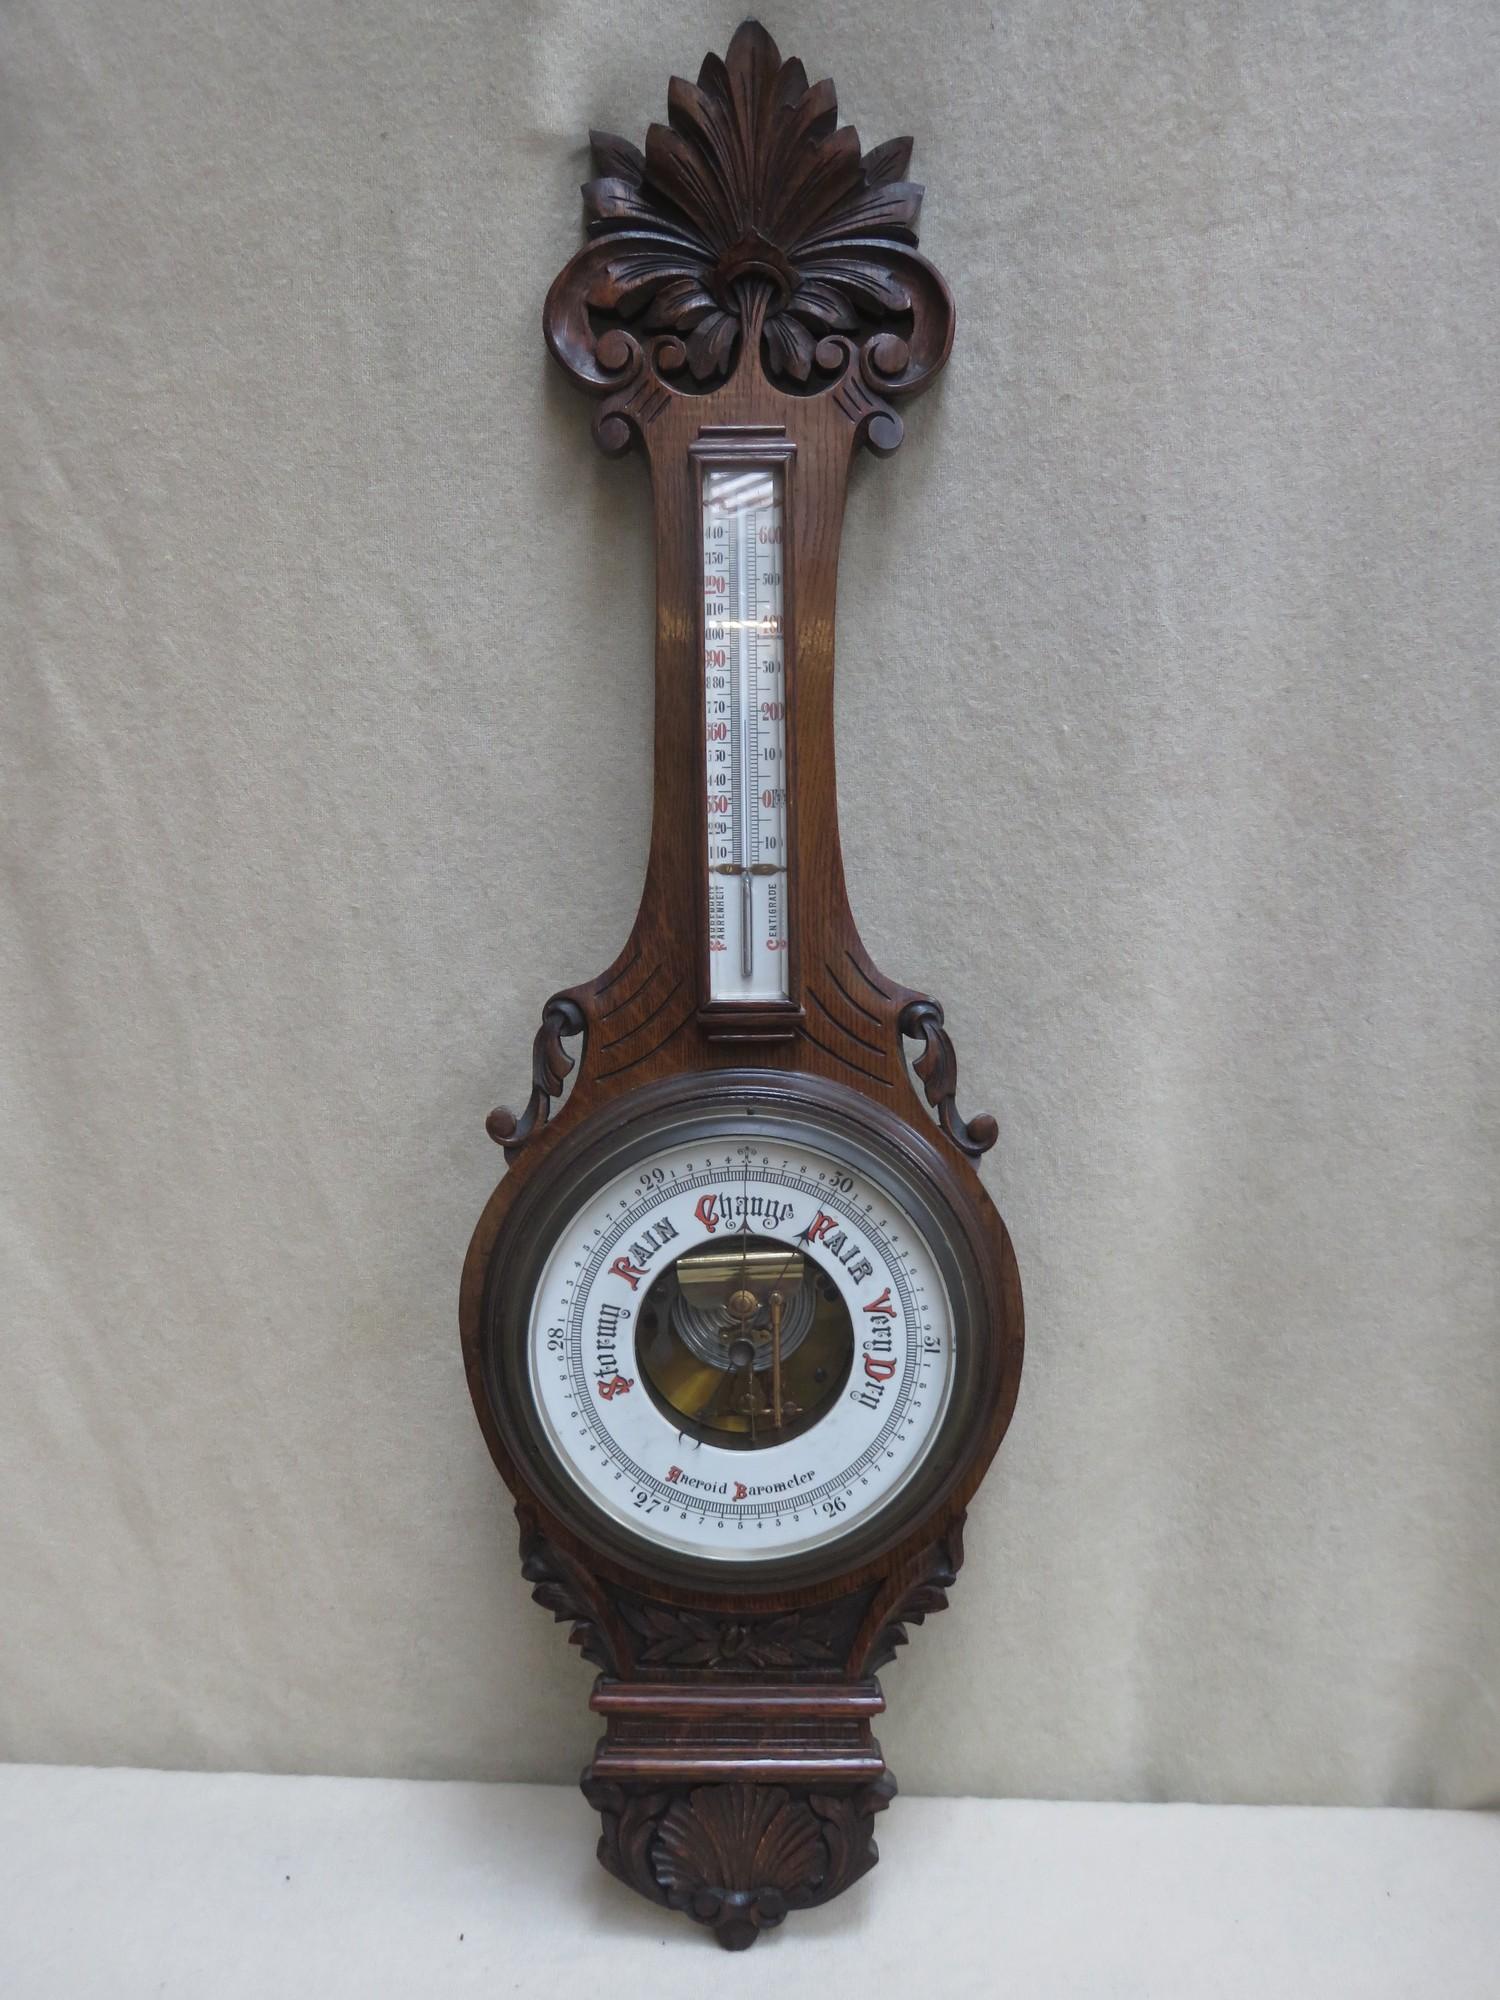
{"x":744,"y":716}
{"x":769,"y":1495}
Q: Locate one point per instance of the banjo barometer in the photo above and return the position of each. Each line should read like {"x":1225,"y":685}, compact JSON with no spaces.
{"x":742,"y":1328}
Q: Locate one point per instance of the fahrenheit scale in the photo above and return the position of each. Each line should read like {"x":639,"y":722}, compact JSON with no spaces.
{"x":744,"y":712}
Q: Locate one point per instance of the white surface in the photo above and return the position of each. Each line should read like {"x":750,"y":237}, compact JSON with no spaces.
{"x":627,"y":1452}
{"x":1167,"y":697}
{"x":122,"y":1883}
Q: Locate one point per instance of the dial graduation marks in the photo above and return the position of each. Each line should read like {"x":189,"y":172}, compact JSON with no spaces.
{"x":629,"y":1451}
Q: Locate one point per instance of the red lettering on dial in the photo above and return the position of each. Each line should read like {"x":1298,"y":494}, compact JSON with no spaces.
{"x":882,"y":1304}
{"x":631,"y":1273}
{"x":617,"y":1385}
{"x":707,"y":1210}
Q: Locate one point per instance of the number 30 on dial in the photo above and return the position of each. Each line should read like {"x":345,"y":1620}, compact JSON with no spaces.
{"x":740,"y":1338}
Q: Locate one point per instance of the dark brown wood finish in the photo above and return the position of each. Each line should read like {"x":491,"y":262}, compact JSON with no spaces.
{"x":750,"y":287}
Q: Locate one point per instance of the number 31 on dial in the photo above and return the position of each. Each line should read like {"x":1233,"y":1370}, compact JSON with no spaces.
{"x":741,"y":1351}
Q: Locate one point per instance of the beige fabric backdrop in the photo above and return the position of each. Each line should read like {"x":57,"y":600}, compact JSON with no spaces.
{"x":1169,"y":752}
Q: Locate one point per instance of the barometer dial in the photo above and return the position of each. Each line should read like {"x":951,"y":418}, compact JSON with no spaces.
{"x":738,"y":1335}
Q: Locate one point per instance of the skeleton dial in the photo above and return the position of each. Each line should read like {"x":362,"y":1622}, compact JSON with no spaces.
{"x":741,"y":1351}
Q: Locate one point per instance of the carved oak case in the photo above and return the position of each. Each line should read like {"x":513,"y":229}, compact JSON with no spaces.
{"x":742,"y":1328}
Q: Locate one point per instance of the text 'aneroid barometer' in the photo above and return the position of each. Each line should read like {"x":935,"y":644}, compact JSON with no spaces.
{"x":742,"y":1327}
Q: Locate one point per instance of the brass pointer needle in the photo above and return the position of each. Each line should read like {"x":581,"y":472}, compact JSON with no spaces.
{"x":745,"y":1221}
{"x":776,"y":1360}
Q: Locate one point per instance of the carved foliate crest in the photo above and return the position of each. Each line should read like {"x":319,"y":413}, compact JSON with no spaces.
{"x":752,"y":225}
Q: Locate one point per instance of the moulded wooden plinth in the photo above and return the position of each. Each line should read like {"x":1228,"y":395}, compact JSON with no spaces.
{"x":737,"y":1803}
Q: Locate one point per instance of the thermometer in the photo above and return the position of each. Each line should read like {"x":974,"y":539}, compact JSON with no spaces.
{"x":744,"y":716}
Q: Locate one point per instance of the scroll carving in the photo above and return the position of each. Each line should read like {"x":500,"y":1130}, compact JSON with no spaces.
{"x":560,"y":1587}
{"x":917,"y":1601}
{"x":562,"y":1018}
{"x":738,"y":1857}
{"x":921,"y":1021}
{"x":752,"y":225}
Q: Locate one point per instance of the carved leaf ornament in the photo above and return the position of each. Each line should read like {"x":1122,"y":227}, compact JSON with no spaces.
{"x":666,"y":1636}
{"x":751,"y":223}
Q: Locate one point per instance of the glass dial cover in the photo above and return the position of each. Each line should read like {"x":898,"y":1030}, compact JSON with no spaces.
{"x":742,"y":1342}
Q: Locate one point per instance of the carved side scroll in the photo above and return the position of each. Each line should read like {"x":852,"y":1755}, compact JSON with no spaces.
{"x":562,"y":1018}
{"x":752,"y":227}
{"x":560,"y":1587}
{"x":916,"y":1601}
{"x":937,"y":1066}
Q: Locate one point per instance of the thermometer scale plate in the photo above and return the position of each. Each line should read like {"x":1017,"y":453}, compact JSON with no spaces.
{"x":745,"y":844}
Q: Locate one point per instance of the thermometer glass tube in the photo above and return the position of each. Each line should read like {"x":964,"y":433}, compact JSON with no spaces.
{"x":744,"y":715}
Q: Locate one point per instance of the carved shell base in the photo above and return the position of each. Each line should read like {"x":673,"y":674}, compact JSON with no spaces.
{"x":738,"y":1857}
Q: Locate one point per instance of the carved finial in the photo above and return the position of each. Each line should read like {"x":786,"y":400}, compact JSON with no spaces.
{"x":752,"y":224}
